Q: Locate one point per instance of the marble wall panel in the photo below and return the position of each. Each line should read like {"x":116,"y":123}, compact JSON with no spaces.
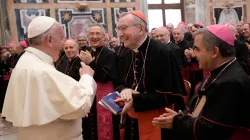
{"x":25,"y":16}
{"x":75,"y":22}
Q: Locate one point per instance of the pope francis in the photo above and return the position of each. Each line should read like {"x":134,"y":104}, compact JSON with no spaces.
{"x":43,"y":103}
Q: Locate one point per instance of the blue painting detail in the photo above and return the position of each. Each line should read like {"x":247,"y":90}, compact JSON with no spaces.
{"x":24,"y":17}
{"x":72,"y":1}
{"x":76,"y":22}
{"x":116,"y":12}
{"x":30,"y":1}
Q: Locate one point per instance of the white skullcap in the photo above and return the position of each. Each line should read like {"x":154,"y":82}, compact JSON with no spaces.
{"x":40,"y":25}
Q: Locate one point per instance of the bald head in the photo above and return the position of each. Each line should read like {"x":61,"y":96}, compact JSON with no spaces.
{"x":162,"y":34}
{"x":170,"y":27}
{"x":114,"y":42}
{"x":71,"y":48}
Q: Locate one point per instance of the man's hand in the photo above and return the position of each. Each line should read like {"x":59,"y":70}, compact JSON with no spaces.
{"x":126,"y":94}
{"x":86,"y":70}
{"x":248,"y":46}
{"x":86,"y":57}
{"x":166,"y":120}
{"x":128,"y":104}
{"x":188,"y":53}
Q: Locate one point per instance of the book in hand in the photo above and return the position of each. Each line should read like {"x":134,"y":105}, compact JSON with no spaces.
{"x":109,"y":103}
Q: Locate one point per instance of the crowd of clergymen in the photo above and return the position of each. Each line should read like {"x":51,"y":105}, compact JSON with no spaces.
{"x":179,"y":38}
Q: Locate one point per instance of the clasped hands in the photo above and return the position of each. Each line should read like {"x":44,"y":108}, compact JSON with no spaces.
{"x":166,"y":120}
{"x":126,"y":97}
{"x":86,"y":57}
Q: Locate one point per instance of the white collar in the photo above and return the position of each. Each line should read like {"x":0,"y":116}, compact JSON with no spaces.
{"x":42,"y":55}
{"x":136,"y":49}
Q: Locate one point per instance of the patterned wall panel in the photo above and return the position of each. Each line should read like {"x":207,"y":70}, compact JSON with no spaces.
{"x":30,"y":1}
{"x":75,"y":22}
{"x":122,"y":0}
{"x":76,"y":1}
{"x":25,"y":16}
{"x":115,"y":16}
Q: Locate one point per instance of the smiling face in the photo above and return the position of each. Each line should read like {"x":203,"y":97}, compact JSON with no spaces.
{"x":162,"y":34}
{"x":96,"y":36}
{"x":71,"y":49}
{"x":178,"y":35}
{"x":82,"y":41}
{"x":129,"y":32}
{"x":246,"y":30}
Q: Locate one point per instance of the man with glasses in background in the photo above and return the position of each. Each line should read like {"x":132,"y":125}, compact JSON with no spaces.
{"x":162,"y":34}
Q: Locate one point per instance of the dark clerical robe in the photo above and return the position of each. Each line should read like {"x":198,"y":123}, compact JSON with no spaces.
{"x":225,"y":115}
{"x":241,"y":54}
{"x":69,"y":67}
{"x":5,"y":73}
{"x":159,"y":83}
{"x":178,"y":52}
{"x":4,"y":80}
{"x":101,"y":123}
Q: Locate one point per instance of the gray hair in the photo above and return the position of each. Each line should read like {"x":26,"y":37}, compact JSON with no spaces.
{"x":75,"y":43}
{"x":209,"y":40}
{"x":99,"y":25}
{"x":82,"y":35}
{"x":137,"y":20}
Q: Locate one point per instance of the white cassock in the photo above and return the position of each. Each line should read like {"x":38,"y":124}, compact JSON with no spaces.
{"x":44,"y":103}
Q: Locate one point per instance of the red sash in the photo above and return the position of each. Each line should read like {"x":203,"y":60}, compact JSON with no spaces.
{"x":146,"y":129}
{"x":104,"y":116}
{"x":6,"y":77}
{"x":241,"y":134}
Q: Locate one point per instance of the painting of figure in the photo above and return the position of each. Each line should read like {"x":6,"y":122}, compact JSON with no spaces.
{"x":223,"y":15}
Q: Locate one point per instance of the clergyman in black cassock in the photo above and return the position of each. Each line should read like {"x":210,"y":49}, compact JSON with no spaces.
{"x":152,"y":70}
{"x":101,"y":123}
{"x":219,"y":110}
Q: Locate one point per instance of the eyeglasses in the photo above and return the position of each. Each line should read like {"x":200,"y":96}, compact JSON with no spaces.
{"x":161,"y":36}
{"x":124,"y":28}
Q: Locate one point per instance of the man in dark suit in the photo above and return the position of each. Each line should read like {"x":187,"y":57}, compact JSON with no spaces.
{"x":219,"y":110}
{"x":162,"y":34}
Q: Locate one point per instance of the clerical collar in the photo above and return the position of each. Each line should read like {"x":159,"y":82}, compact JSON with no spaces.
{"x":97,"y":49}
{"x":73,"y":58}
{"x":142,"y":44}
{"x":42,"y":55}
{"x":169,"y":42}
{"x":216,"y":71}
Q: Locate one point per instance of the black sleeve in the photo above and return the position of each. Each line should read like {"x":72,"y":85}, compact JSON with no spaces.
{"x":242,"y":54}
{"x":123,"y":64}
{"x":185,"y":127}
{"x":105,"y":67}
{"x":150,"y":101}
{"x":169,"y":86}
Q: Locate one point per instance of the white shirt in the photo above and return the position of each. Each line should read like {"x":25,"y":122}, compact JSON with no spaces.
{"x":44,"y":103}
